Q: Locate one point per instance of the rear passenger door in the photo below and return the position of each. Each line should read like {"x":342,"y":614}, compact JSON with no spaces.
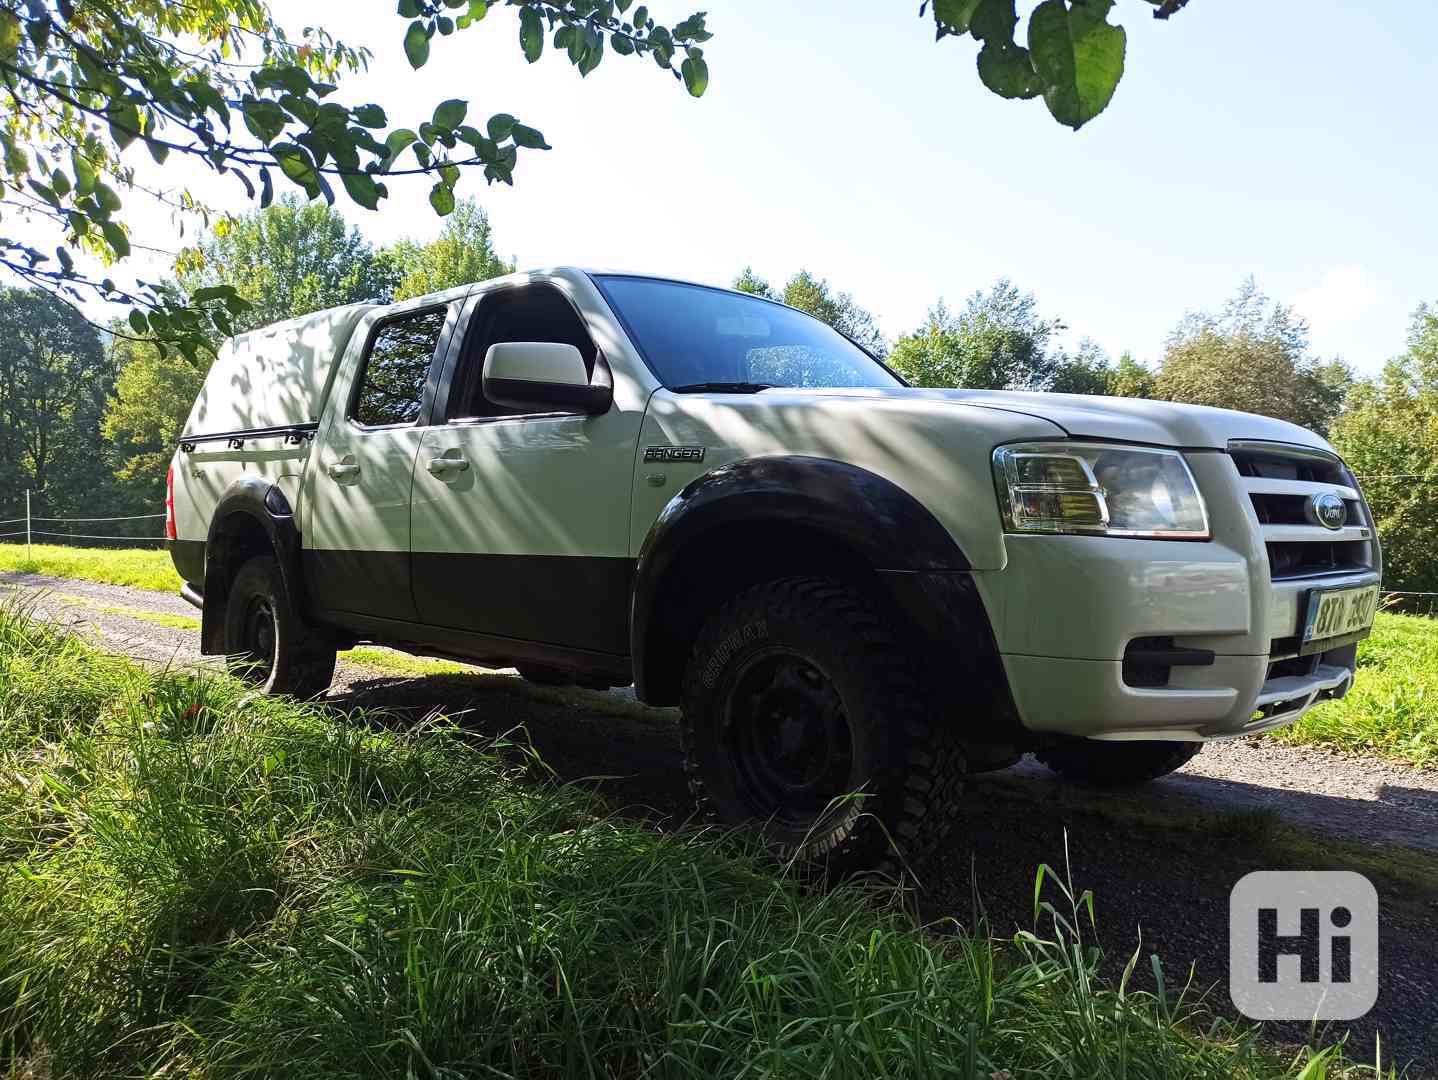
{"x":358,"y":483}
{"x":529,"y":537}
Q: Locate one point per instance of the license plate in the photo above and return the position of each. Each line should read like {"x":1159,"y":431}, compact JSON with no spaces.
{"x":1334,"y":613}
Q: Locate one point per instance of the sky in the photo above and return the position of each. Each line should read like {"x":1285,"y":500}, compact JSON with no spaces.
{"x":1290,"y":140}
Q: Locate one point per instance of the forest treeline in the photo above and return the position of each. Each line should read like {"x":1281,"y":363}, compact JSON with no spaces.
{"x":90,"y":416}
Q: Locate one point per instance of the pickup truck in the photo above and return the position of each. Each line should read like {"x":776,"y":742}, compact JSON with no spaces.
{"x":855,"y":591}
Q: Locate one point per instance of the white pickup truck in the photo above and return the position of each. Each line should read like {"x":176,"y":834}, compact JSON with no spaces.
{"x":856,"y":591}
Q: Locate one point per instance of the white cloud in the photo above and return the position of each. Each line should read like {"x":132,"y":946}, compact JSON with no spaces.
{"x":1353,"y":313}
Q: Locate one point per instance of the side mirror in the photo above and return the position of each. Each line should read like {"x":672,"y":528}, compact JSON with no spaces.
{"x":542,"y":377}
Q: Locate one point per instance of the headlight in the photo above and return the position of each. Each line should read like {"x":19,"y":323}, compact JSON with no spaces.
{"x":1099,"y":490}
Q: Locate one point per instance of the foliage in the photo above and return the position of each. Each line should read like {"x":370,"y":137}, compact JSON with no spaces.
{"x":1254,"y":357}
{"x":1086,"y":372}
{"x":1392,"y":709}
{"x":223,"y":85}
{"x":288,"y":260}
{"x":998,"y":342}
{"x":54,"y":380}
{"x":462,"y":253}
{"x":200,"y":881}
{"x":152,"y":398}
{"x":1132,"y":379}
{"x":139,"y":568}
{"x":817,"y":297}
{"x":1389,"y":437}
{"x":1074,"y":57}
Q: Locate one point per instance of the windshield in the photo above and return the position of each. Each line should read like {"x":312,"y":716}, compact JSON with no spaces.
{"x":693,"y":336}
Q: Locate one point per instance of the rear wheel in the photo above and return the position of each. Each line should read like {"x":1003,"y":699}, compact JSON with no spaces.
{"x":1118,"y":764}
{"x":803,"y":714}
{"x":266,"y":642}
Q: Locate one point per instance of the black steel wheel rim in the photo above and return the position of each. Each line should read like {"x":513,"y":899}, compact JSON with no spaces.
{"x":787,"y":738}
{"x":261,"y":636}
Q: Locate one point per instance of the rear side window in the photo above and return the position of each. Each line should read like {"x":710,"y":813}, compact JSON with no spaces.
{"x":395,"y":370}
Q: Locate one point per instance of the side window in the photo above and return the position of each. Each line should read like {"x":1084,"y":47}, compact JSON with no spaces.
{"x":528,"y":313}
{"x":396,"y":368}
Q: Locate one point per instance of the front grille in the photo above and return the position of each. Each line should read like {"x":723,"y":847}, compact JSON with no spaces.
{"x":1281,"y":480}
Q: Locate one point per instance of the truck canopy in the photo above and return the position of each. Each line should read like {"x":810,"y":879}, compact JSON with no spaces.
{"x":276,"y":376}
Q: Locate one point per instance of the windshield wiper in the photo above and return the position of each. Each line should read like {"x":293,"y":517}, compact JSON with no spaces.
{"x":721,"y":388}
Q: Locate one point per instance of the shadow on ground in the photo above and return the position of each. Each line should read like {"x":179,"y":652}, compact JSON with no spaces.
{"x":1161,"y":862}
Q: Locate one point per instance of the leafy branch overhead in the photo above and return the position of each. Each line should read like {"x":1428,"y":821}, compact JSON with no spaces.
{"x":1074,"y":57}
{"x":221,"y":83}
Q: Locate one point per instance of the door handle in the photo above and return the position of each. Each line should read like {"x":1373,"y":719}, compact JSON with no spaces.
{"x":443,"y":466}
{"x":342,"y":470}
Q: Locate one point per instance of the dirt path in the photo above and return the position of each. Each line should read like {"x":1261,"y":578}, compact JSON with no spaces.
{"x":1161,"y":861}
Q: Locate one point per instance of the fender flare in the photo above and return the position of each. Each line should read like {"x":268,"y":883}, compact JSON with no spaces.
{"x":250,"y":500}
{"x":865,"y":512}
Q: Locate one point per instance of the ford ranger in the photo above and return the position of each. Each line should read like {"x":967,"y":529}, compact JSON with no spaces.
{"x":855,"y":591}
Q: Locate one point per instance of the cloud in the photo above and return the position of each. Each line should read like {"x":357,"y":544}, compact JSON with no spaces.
{"x":1353,"y":314}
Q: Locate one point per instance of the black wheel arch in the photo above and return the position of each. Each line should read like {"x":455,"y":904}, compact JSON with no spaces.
{"x":253,"y":517}
{"x":769,"y":517}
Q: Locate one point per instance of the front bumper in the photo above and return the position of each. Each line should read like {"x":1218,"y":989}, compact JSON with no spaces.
{"x":1065,"y":610}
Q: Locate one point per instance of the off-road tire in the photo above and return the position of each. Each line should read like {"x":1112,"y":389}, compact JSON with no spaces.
{"x":1118,"y":764}
{"x":300,"y":662}
{"x":907,"y":761}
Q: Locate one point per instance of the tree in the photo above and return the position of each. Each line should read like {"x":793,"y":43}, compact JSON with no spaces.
{"x":998,"y":342}
{"x":289,"y":260}
{"x":1388,"y":434}
{"x":817,"y":297}
{"x":153,"y":394}
{"x":54,"y":380}
{"x":1132,"y":379}
{"x":1086,"y":372}
{"x":223,"y":84}
{"x":1074,"y":56}
{"x":1253,"y":356}
{"x":462,"y":253}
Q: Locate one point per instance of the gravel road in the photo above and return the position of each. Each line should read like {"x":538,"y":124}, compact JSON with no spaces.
{"x":1161,"y":861}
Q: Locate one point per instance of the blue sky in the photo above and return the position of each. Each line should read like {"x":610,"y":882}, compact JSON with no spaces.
{"x":1289,"y":139}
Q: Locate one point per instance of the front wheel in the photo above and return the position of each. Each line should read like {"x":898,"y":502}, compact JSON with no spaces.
{"x":1118,"y":764}
{"x":266,"y":642}
{"x":803,"y":714}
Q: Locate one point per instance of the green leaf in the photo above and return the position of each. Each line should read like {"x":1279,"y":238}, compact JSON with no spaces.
{"x":450,"y":114}
{"x":116,"y":238}
{"x":1079,"y":56}
{"x":296,"y":163}
{"x":416,"y":44}
{"x":395,"y":143}
{"x":60,"y":183}
{"x":622,"y":45}
{"x":158,"y":151}
{"x":67,"y":263}
{"x":500,"y":126}
{"x":641,"y":17}
{"x":124,"y":119}
{"x":531,"y":34}
{"x":84,"y":172}
{"x":1007,"y":70}
{"x":953,"y":16}
{"x":409,"y":9}
{"x":441,"y":197}
{"x":696,"y":75}
{"x":994,"y":21}
{"x":363,"y":189}
{"x":529,"y":138}
{"x":370,"y":116}
{"x":138,"y":322}
{"x":9,"y":35}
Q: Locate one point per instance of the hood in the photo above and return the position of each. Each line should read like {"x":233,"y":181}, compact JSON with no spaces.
{"x":1138,"y":420}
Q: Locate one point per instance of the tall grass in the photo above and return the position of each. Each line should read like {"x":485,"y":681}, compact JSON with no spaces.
{"x":1392,"y":709}
{"x":198,"y":881}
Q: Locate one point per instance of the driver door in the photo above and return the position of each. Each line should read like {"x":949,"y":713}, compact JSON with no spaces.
{"x":520,"y":521}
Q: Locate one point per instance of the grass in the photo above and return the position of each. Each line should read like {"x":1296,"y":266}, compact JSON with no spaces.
{"x":1392,"y":709}
{"x":140,"y":568}
{"x":198,"y":881}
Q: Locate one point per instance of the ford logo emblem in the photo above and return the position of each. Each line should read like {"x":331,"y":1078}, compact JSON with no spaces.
{"x":1327,"y":510}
